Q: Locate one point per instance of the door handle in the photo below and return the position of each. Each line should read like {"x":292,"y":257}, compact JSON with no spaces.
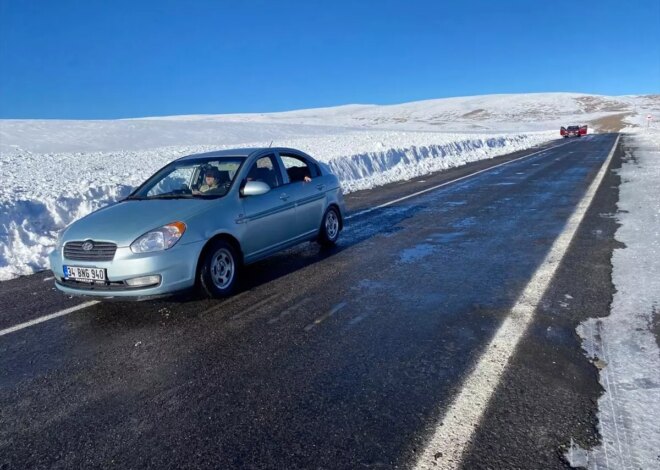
{"x":284,"y":197}
{"x":320,"y":187}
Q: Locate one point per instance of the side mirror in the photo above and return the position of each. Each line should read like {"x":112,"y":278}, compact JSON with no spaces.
{"x":255,"y":188}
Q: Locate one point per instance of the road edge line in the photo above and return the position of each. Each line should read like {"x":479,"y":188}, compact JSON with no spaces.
{"x":454,"y":431}
{"x":36,"y":321}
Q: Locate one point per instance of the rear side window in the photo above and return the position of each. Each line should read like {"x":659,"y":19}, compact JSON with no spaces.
{"x":265,"y":170}
{"x":297,"y":167}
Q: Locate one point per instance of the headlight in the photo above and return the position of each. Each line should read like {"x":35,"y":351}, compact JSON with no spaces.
{"x":159,"y":239}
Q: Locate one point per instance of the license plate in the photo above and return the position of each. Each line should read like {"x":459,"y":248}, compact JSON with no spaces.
{"x":78,"y":273}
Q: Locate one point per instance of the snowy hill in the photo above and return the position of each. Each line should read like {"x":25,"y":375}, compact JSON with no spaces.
{"x":533,"y":111}
{"x":489,"y":113}
{"x":55,"y":172}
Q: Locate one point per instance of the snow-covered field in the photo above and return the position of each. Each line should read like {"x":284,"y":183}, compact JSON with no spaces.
{"x":623,"y":343}
{"x":54,"y":172}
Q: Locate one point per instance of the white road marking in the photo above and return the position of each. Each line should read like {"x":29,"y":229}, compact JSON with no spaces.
{"x":61,"y":313}
{"x":454,"y":432}
{"x":386,"y":204}
{"x":49,"y":278}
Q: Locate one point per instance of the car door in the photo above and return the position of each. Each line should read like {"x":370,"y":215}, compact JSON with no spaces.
{"x":269,"y":218}
{"x":307,"y":193}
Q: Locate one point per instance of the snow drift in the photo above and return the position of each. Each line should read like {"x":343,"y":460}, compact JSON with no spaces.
{"x":43,"y":193}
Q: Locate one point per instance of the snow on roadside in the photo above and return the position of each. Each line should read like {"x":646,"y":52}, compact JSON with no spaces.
{"x":623,"y":344}
{"x":44,"y":192}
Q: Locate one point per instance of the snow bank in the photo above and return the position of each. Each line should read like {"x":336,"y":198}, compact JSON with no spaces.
{"x":623,"y":344}
{"x":44,"y":192}
{"x":365,"y":170}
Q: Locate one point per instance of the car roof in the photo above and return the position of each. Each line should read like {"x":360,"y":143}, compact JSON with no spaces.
{"x":238,"y":152}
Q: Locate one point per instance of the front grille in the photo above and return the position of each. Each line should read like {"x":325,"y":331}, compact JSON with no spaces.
{"x":101,"y":251}
{"x":98,"y":285}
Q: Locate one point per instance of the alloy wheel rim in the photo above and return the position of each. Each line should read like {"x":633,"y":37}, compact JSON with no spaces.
{"x":222,"y":268}
{"x":331,"y":225}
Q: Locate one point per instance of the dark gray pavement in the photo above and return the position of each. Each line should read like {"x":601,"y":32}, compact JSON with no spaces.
{"x":331,"y":359}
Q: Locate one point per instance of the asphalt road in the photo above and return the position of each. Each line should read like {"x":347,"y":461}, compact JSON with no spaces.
{"x":342,"y":358}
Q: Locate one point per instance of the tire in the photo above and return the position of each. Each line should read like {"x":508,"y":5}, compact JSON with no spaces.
{"x":330,"y":227}
{"x":219,"y":270}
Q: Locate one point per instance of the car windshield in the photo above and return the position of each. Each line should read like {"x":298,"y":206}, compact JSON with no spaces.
{"x":198,"y":178}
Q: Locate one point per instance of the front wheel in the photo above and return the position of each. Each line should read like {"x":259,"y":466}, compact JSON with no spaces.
{"x":329,"y":228}
{"x":219,"y":270}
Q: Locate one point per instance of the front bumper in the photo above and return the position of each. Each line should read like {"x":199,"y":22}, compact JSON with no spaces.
{"x":176,"y":266}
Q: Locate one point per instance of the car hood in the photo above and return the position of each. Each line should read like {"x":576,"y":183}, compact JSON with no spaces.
{"x":123,"y":222}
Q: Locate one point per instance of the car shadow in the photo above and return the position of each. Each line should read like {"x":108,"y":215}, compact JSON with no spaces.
{"x":383,"y":222}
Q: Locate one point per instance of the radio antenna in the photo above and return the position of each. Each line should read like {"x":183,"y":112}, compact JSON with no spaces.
{"x":271,"y":144}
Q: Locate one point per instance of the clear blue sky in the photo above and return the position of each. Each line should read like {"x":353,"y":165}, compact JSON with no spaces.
{"x":97,"y":59}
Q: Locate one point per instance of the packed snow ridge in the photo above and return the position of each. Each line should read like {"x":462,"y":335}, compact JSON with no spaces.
{"x":43,"y":193}
{"x":55,"y":172}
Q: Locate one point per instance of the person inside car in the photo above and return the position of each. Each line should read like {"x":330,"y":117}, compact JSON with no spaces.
{"x":211,"y":181}
{"x":298,"y":173}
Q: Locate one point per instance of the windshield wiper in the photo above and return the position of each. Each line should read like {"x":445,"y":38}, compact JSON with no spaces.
{"x":163,"y":196}
{"x":208,"y":196}
{"x":171,"y":196}
{"x":175,"y":196}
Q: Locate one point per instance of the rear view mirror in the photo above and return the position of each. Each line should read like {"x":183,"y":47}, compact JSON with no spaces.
{"x":255,"y":188}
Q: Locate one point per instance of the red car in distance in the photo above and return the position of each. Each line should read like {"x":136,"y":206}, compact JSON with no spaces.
{"x":573,"y":131}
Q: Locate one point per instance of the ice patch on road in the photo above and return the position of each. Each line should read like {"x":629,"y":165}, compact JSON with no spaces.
{"x":416,"y":253}
{"x":623,"y":344}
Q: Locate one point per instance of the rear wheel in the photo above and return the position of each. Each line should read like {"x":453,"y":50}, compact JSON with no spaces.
{"x":219,"y":270}
{"x":329,"y":232}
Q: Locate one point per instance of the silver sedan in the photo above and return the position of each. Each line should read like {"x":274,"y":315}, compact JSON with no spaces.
{"x":197,"y":221}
